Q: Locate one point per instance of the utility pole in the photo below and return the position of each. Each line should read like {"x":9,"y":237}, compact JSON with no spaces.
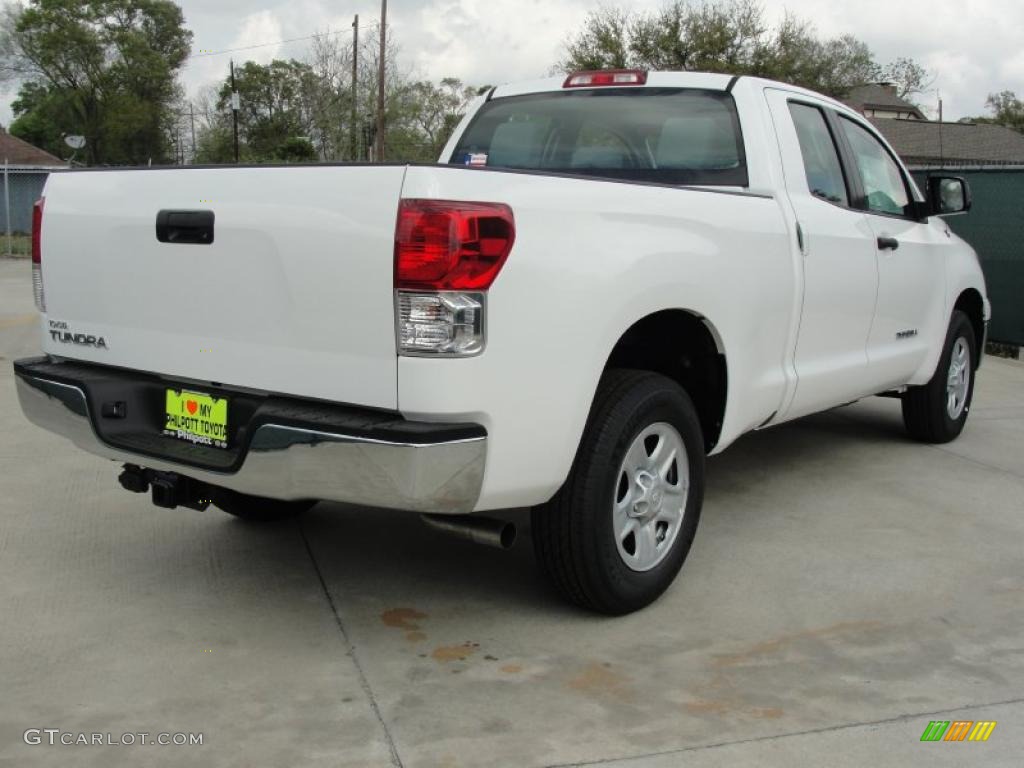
{"x":192,"y":118}
{"x":235,"y":104}
{"x":380,"y":79}
{"x":355,"y":88}
{"x":942,"y":154}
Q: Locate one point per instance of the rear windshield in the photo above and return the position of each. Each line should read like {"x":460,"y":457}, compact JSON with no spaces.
{"x":663,"y":135}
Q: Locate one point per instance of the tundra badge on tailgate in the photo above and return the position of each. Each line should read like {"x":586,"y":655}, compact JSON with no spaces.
{"x":59,"y":331}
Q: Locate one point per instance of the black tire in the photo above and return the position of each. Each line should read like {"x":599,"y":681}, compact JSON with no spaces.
{"x":258,"y":509}
{"x":573,"y":534}
{"x":926,"y":414}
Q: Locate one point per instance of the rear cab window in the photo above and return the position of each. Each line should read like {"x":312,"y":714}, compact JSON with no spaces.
{"x":678,"y":136}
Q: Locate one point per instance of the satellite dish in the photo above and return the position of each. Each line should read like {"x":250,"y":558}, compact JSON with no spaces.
{"x":75,"y":142}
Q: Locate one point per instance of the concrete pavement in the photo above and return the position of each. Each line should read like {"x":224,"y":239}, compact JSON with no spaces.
{"x":846,"y":587}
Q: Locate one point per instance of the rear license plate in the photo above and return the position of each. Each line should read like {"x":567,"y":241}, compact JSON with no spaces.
{"x":197,"y":418}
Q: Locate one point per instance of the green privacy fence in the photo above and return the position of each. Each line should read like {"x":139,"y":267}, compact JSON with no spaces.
{"x":995,"y":228}
{"x":23,"y":188}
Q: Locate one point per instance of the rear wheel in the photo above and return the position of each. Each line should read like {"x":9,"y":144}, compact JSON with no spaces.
{"x":937,"y":411}
{"x":258,"y":508}
{"x":617,"y":533}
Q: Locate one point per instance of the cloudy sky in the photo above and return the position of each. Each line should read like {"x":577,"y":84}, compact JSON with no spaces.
{"x":972,"y":47}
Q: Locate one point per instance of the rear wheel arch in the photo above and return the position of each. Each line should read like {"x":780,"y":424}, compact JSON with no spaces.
{"x":685,"y":347}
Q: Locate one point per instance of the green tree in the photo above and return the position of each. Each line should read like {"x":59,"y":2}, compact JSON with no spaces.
{"x":298,"y":111}
{"x":273,"y":120}
{"x":432,"y":111}
{"x":104,"y":69}
{"x":731,"y":36}
{"x":39,"y":117}
{"x":793,"y":53}
{"x":713,"y":37}
{"x":603,"y":43}
{"x":1006,"y":110}
{"x":909,"y":77}
{"x":419,"y":115}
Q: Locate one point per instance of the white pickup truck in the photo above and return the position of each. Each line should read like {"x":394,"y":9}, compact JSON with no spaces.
{"x":606,"y":279}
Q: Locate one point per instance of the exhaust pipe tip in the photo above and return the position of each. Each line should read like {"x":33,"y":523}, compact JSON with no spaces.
{"x":488,"y":531}
{"x":507,"y":537}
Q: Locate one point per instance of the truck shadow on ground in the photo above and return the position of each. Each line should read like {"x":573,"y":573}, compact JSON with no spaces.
{"x":361,"y":551}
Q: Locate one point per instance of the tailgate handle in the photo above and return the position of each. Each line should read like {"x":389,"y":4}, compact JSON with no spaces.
{"x":191,"y":227}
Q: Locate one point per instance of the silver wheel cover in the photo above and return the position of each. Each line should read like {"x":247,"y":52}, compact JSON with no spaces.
{"x":958,"y":379}
{"x":649,"y":500}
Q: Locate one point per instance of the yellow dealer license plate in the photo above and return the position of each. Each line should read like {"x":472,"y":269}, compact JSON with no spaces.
{"x":197,"y":418}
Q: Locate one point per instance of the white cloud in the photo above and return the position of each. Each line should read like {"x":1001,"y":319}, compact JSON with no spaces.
{"x":489,"y":42}
{"x":963,"y":43}
{"x":1012,"y":69}
{"x":257,"y":29}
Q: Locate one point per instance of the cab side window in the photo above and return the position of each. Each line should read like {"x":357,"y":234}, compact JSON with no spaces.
{"x":885,"y":190}
{"x":821,"y":158}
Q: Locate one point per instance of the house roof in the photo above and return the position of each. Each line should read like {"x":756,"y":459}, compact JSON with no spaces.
{"x":21,"y":153}
{"x":918,"y":142}
{"x":880,"y":96}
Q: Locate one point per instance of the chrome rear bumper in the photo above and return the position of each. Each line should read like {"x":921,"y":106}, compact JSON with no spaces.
{"x":284,"y":461}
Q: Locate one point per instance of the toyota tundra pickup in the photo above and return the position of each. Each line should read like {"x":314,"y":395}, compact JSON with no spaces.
{"x":605,"y":279}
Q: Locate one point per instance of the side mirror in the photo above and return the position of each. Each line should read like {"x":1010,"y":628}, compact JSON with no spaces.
{"x":948,"y":195}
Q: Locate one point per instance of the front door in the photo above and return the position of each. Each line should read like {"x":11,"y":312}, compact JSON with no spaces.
{"x":910,"y":317}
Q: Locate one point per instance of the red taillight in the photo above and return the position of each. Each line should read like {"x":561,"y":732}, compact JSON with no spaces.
{"x":445,"y":245}
{"x":37,"y":254}
{"x":605,"y":77}
{"x":37,"y":228}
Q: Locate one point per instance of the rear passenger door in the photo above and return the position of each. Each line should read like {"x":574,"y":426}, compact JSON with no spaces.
{"x":837,"y":244}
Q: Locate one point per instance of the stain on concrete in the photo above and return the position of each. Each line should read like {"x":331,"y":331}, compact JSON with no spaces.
{"x":447,"y":653}
{"x":707,"y":707}
{"x":601,"y":680}
{"x":408,"y":619}
{"x":403,"y":618}
{"x":771,"y":647}
{"x":726,"y":691}
{"x":511,"y":669}
{"x":732,"y":703}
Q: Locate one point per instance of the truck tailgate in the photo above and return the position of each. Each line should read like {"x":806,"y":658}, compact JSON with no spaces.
{"x":294,"y":295}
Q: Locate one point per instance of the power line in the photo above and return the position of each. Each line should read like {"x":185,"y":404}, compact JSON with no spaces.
{"x":207,"y":54}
